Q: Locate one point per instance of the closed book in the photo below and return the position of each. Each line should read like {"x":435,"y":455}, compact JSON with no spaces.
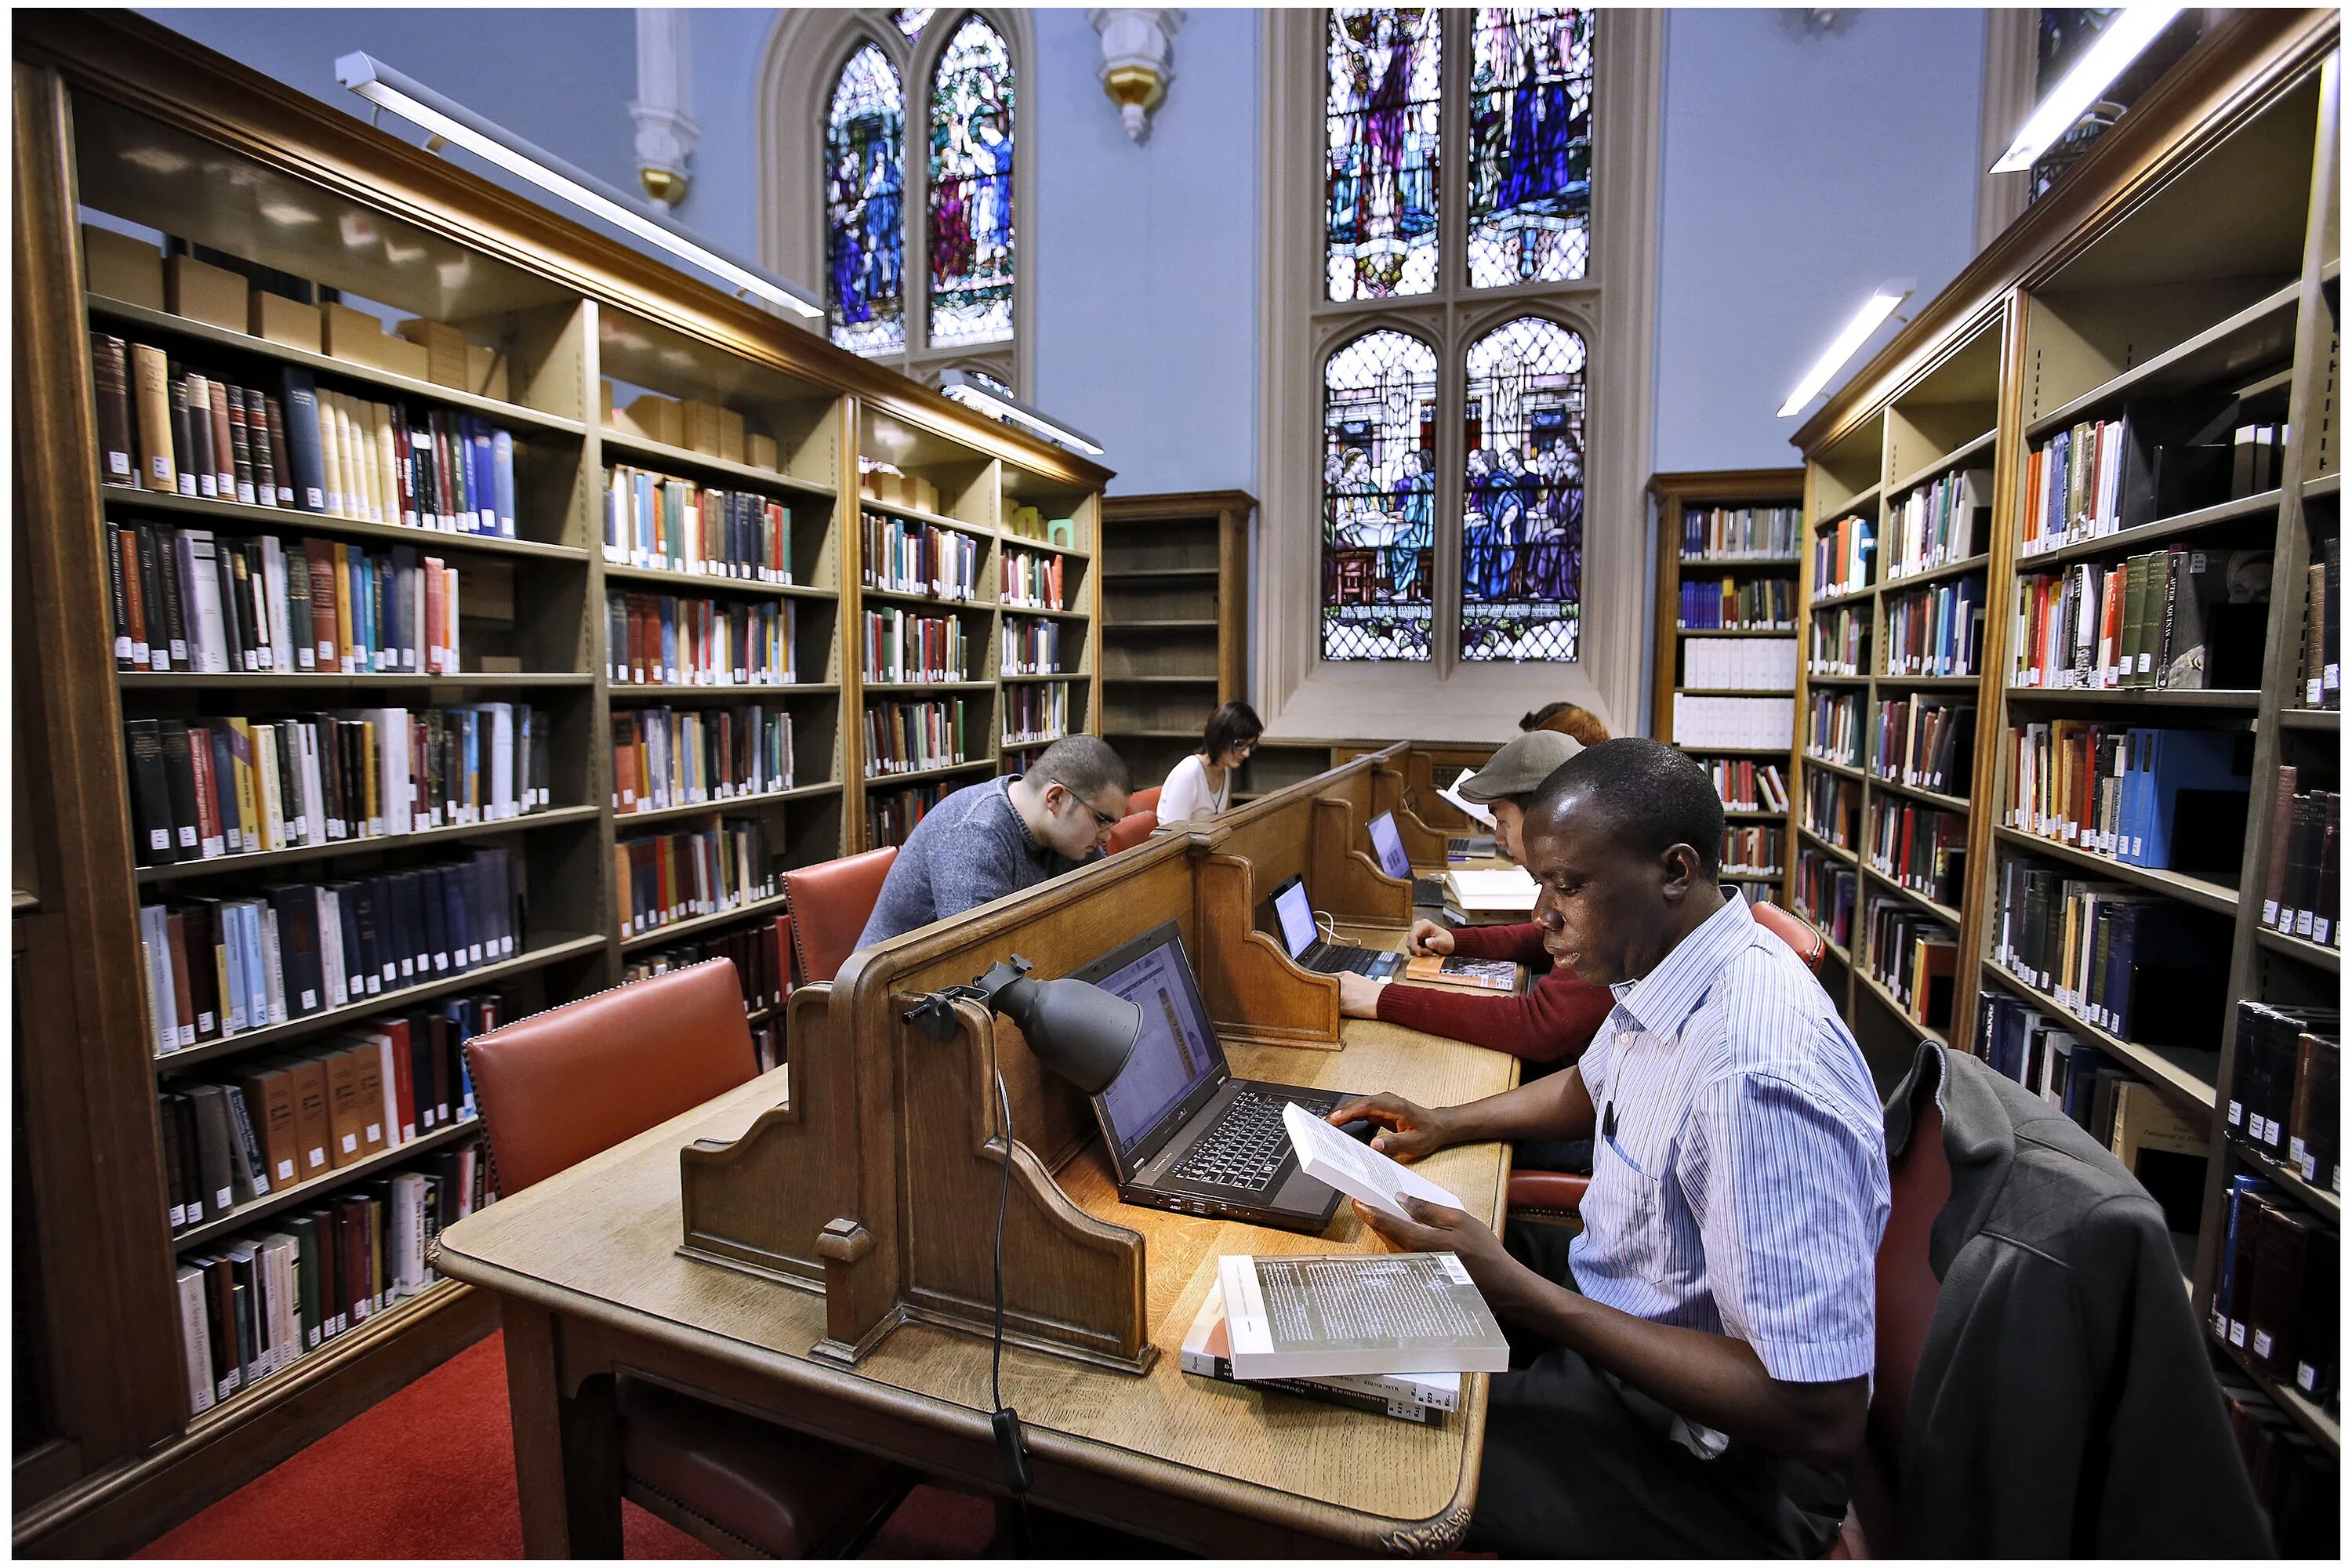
{"x":215,"y":1147}
{"x":248,"y":1168}
{"x":297,"y":939}
{"x":195,"y":1337}
{"x":224,"y":456}
{"x":304,"y":1229}
{"x":1467,"y":974}
{"x":269,"y":1089}
{"x":180,"y":778}
{"x":151,"y":386}
{"x":175,"y":1173}
{"x":1423,"y":1397}
{"x":117,"y":458}
{"x":305,"y":455}
{"x":347,"y":1113}
{"x":375,"y":1135}
{"x":192,"y":428}
{"x":1358,"y":1315}
{"x":240,"y":445}
{"x":154,"y":836}
{"x":307,"y":1084}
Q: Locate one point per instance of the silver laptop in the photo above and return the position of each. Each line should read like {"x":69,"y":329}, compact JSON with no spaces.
{"x":1294,"y":917}
{"x":1388,"y":847}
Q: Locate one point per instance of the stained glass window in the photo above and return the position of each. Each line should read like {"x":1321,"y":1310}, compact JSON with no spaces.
{"x":1531,"y":144}
{"x":910,"y":19}
{"x":1523,"y":492}
{"x":1380,"y":497}
{"x":864,"y":198}
{"x":972,"y":188}
{"x":1380,"y":151}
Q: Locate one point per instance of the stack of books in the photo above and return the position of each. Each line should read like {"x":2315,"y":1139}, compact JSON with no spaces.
{"x":1489,"y":898}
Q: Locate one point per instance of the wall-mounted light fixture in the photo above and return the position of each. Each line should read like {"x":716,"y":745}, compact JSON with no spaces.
{"x":453,"y":122}
{"x":2133,"y":29}
{"x":1856,"y":332}
{"x":973,"y":393}
{"x":1138,"y":60}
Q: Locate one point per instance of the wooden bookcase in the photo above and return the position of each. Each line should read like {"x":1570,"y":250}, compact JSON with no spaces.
{"x":1673,"y":498}
{"x":116,"y":116}
{"x":1175,"y":609}
{"x":2194,"y":251}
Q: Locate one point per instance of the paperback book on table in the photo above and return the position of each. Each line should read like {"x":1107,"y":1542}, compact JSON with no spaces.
{"x":1356,"y":1315}
{"x":1465,"y":973}
{"x":1420,"y":1397}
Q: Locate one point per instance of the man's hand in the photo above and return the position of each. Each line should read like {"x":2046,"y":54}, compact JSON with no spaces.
{"x":1428,"y":938}
{"x":1437,"y":1228}
{"x":1412,"y":1130}
{"x":1360,"y":995}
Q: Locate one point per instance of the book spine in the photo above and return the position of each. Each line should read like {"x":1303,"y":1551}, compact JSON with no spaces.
{"x":117,"y":463}
{"x":150,"y":373}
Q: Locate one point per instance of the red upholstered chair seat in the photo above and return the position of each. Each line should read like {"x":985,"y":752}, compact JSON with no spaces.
{"x":559,"y":1086}
{"x":1145,"y":799}
{"x":830,"y":903}
{"x":1132,"y":829}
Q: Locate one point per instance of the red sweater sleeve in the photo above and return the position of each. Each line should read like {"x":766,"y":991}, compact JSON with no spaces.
{"x":1519,"y":944}
{"x":1553,"y":1020}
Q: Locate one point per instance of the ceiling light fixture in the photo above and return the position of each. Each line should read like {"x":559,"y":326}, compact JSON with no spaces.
{"x":2132,"y":30}
{"x":1880,"y":306}
{"x":968,"y":390}
{"x":453,"y":122}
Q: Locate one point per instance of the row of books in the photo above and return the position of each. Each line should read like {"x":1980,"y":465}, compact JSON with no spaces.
{"x":1916,"y":957}
{"x":2138,"y":965}
{"x":904,"y":557}
{"x":1831,"y":806}
{"x":1746,"y":664}
{"x":1748,"y":785}
{"x":1921,"y":848}
{"x":1836,"y":732}
{"x":891,"y":815}
{"x":762,"y":954}
{"x":1825,"y":893}
{"x":1036,"y":712}
{"x":1935,"y":631}
{"x":2276,"y":1292}
{"x":257,"y":1305}
{"x":2162,"y":799}
{"x":1029,"y":647}
{"x":904,"y":646}
{"x":280,"y":1122}
{"x":2297,"y":1482}
{"x":1841,"y":556}
{"x":660,"y":522}
{"x":665,"y":757}
{"x":2074,"y":486}
{"x":1727,"y":603}
{"x":2159,"y":619}
{"x":666,"y":877}
{"x":1841,"y":642}
{"x":1032,"y":581}
{"x":1751,"y":848}
{"x":185,"y":600}
{"x":184,"y":433}
{"x":1939,"y":523}
{"x":205,"y":789}
{"x":216,"y":968}
{"x":2323,"y":627}
{"x":2285,"y":1083}
{"x":909,"y":737}
{"x":1753,"y":723}
{"x":2302,"y":877}
{"x":1740,"y":534}
{"x":1926,"y":743}
{"x":661,"y":639}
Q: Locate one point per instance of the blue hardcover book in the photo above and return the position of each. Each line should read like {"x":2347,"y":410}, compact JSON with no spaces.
{"x":303,"y":459}
{"x":502,"y":481}
{"x":485,"y":498}
{"x":2229,"y":1320}
{"x":403,"y":599}
{"x":224,"y":788}
{"x":2183,"y":760}
{"x":453,"y":914}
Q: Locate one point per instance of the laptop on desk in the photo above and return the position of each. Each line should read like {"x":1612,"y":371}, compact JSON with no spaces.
{"x":1388,"y":847}
{"x":1184,"y":1134}
{"x":1294,"y":919}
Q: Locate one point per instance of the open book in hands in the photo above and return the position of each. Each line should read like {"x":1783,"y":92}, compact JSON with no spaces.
{"x":1333,"y":1158}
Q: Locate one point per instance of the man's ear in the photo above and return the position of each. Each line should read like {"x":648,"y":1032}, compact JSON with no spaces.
{"x":1683,"y":869}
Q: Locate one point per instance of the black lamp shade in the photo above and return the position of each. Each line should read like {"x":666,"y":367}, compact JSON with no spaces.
{"x":1080,"y":1031}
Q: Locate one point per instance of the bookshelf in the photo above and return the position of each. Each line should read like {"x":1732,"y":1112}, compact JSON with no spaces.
{"x":2174,"y":296}
{"x":1175,"y":602}
{"x":600,"y":367}
{"x":1728,"y":545}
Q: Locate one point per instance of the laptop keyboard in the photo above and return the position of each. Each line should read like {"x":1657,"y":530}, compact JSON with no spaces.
{"x":1328,"y":959}
{"x":1427,"y":892}
{"x":1245,"y":1149}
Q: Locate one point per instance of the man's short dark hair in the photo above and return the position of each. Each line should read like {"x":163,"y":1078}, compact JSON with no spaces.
{"x":1228,"y":727}
{"x":1084,"y":765}
{"x":1654,"y":796}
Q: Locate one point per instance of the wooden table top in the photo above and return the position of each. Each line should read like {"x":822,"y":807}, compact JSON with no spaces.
{"x":601,"y":1240}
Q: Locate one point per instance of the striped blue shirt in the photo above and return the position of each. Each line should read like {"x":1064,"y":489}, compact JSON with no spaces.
{"x":1739,"y":1163}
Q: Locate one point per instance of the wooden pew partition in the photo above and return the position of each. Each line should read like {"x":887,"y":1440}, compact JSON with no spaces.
{"x":1425,"y":764}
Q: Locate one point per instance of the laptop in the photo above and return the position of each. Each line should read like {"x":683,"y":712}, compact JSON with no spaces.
{"x":1294,"y":918}
{"x":1184,"y":1132}
{"x":1389,"y":848}
{"x":1470,"y":846}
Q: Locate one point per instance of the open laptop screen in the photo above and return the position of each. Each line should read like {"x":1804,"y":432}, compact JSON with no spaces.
{"x":1177,"y":1051}
{"x":1296,"y":915}
{"x":1390,"y":847}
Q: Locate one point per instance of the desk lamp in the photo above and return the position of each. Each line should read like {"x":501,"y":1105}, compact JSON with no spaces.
{"x":1081,"y":1033}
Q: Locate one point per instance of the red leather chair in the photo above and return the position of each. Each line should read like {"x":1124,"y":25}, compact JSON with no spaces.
{"x":559,"y":1086}
{"x":830,"y":903}
{"x":1145,"y":799}
{"x":1132,"y":829}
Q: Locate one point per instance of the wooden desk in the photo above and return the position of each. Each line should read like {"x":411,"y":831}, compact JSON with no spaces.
{"x":586,"y":1267}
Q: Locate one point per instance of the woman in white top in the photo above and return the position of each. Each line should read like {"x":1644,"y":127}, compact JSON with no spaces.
{"x":1202,"y":783}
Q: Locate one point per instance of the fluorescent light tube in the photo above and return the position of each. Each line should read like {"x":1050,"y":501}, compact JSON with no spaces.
{"x":965,"y":389}
{"x":452,"y":121}
{"x":2134,"y":28}
{"x":1881,"y":305}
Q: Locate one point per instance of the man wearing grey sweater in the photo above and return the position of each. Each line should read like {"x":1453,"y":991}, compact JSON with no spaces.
{"x":1002,"y":836}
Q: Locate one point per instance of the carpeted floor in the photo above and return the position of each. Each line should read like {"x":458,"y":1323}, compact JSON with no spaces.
{"x":429,"y":1472}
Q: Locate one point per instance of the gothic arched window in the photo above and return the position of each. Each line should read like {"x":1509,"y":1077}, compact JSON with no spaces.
{"x":969,"y":241}
{"x":1380,"y":497}
{"x":1522,"y":491}
{"x":865,"y":205}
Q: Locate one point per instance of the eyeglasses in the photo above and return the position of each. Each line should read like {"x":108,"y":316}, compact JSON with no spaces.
{"x":1103,"y":822}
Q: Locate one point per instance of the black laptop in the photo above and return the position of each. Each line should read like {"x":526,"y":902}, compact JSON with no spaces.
{"x":1294,"y":918}
{"x":1185,"y":1133}
{"x":1388,"y":847}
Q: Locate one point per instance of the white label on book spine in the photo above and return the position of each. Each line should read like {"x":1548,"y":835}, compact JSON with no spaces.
{"x":221,"y":1198}
{"x":310,"y":999}
{"x":374,"y":1132}
{"x":2262,"y":1345}
{"x":179,"y":1216}
{"x":317,"y":1157}
{"x":350,"y":1142}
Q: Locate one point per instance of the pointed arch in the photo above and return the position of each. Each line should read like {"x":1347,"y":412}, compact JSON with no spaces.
{"x":865,"y":230}
{"x":1380,"y":497}
{"x":968,"y":240}
{"x":1523,"y":416}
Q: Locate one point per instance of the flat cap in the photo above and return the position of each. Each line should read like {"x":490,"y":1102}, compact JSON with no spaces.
{"x":1521,"y":767}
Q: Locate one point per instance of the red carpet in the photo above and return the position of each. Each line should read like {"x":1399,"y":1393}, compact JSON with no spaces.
{"x":450,"y":1489}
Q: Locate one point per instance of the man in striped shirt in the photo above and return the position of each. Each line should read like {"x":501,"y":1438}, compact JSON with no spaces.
{"x":1690,"y":1375}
